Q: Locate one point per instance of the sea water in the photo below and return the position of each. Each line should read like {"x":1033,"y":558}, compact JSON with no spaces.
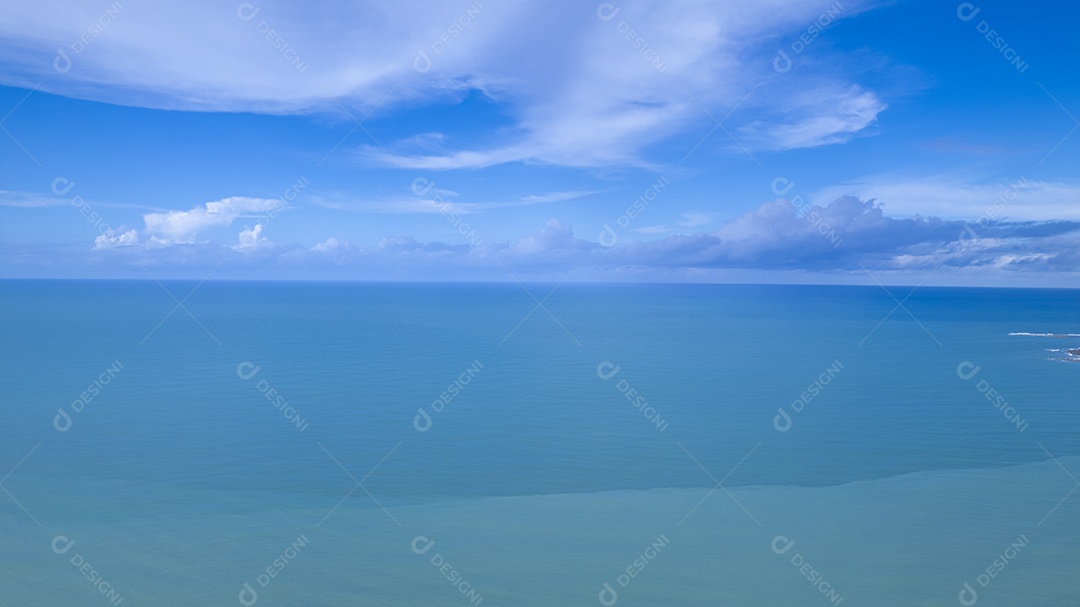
{"x":292,"y":443}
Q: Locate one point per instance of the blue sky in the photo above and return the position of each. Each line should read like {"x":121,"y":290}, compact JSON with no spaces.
{"x":747,"y":141}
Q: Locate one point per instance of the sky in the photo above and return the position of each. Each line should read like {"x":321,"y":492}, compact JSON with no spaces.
{"x":800,"y":141}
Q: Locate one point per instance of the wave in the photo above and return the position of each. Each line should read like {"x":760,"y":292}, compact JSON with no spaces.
{"x":1056,"y":335}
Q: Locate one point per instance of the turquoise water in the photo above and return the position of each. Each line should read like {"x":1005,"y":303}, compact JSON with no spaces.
{"x":538,"y":479}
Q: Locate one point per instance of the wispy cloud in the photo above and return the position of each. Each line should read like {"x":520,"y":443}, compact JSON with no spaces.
{"x":432,"y":202}
{"x":693,"y":220}
{"x":29,"y":200}
{"x":583,"y":87}
{"x":687,"y":220}
{"x":959,"y":196}
{"x":819,"y":117}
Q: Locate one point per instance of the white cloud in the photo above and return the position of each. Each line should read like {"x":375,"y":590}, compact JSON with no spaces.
{"x":577,"y":90}
{"x":334,"y":245}
{"x":774,"y":239}
{"x":818,"y":117}
{"x":693,"y":220}
{"x":250,"y":239}
{"x":953,"y":196}
{"x":554,"y":236}
{"x":13,"y":198}
{"x":112,"y":239}
{"x":9,"y":198}
{"x":688,"y":220}
{"x":183,"y":226}
{"x":433,"y":201}
{"x":391,"y":205}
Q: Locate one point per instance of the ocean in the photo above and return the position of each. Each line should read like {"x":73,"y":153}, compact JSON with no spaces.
{"x":310,"y":443}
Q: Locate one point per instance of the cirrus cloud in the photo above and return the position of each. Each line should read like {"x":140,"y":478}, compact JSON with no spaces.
{"x":580,"y":86}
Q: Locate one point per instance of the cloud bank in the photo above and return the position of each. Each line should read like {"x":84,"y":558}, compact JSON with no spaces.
{"x":847,"y":236}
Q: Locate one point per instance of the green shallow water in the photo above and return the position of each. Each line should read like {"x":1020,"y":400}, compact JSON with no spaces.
{"x":907,"y":540}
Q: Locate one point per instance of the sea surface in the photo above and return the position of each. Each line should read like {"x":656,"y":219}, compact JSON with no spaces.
{"x":306,"y":443}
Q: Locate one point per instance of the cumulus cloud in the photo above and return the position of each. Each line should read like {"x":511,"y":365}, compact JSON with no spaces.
{"x":850,"y":234}
{"x":250,"y":239}
{"x":839,"y":239}
{"x":410,"y":247}
{"x":781,"y":233}
{"x":115,"y":238}
{"x":333,"y":245}
{"x":183,"y":226}
{"x":844,"y":236}
{"x":554,"y":236}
